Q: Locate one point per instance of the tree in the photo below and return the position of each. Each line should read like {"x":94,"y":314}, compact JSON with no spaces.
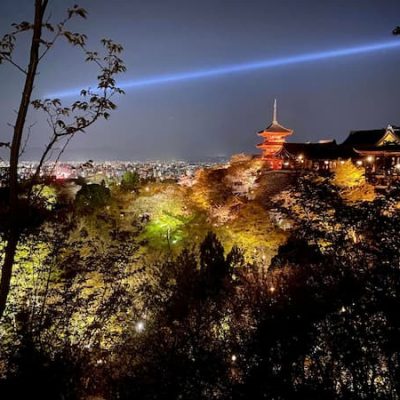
{"x":347,"y":175}
{"x":213,"y":266}
{"x":64,"y":121}
{"x":92,"y":196}
{"x":396,"y":31}
{"x":130,"y":181}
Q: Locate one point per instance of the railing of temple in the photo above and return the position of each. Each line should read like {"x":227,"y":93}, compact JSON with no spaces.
{"x":383,"y":178}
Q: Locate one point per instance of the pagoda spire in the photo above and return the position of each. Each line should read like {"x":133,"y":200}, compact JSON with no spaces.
{"x":274,"y":118}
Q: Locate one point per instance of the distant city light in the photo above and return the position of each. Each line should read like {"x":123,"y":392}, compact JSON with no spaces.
{"x":234,"y":358}
{"x":235,"y":68}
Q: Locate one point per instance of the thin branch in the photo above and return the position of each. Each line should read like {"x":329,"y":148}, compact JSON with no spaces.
{"x":8,"y":59}
{"x":27,"y":139}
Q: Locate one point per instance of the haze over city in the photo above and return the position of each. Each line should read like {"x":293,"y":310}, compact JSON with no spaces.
{"x":219,"y":115}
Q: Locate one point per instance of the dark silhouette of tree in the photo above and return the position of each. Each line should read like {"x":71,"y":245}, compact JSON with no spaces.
{"x":214,"y":269}
{"x":396,"y":31}
{"x":92,"y":197}
{"x":64,"y":121}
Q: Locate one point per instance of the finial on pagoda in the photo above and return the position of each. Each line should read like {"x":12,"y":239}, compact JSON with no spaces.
{"x":274,"y":119}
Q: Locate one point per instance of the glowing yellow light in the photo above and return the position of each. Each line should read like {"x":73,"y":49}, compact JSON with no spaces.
{"x":359,"y":162}
{"x":272,"y":289}
{"x":370,"y":158}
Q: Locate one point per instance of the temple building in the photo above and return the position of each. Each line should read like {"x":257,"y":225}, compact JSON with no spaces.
{"x":378,"y":151}
{"x":274,"y":138}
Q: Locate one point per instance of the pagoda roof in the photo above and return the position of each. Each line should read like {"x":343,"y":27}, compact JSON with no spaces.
{"x":275,"y":127}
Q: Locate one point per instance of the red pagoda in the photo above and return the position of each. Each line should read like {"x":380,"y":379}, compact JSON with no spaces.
{"x":274,"y":138}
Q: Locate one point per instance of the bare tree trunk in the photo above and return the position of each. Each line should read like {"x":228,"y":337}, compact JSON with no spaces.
{"x":6,"y":272}
{"x":14,"y":230}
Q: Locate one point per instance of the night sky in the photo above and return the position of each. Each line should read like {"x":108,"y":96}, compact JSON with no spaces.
{"x":218,"y":116}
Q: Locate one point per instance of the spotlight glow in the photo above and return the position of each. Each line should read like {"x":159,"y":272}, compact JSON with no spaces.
{"x":236,"y":68}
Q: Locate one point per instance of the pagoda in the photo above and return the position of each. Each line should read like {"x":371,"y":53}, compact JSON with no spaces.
{"x":274,"y":138}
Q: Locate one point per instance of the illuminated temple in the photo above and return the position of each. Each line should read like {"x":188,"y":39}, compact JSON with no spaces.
{"x":377,"y":150}
{"x":274,"y":138}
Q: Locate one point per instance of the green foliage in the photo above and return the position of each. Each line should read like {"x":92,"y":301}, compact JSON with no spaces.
{"x":130,"y":181}
{"x":109,"y":315}
{"x":91,"y":197}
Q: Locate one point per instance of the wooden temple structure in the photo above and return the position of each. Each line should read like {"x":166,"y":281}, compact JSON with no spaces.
{"x":378,"y":151}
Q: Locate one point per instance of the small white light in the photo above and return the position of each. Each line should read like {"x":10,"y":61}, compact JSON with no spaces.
{"x":359,"y":162}
{"x":139,"y":327}
{"x":233,"y":358}
{"x":272,"y":289}
{"x":370,"y":158}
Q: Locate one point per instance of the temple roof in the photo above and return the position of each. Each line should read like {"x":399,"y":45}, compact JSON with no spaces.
{"x":378,"y":150}
{"x":275,"y":127}
{"x":369,"y":137}
{"x":314,"y":151}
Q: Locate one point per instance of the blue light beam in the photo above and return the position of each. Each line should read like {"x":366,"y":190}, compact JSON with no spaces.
{"x":236,"y":68}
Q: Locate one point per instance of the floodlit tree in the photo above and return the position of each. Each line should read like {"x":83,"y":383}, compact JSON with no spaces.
{"x":347,"y":175}
{"x":351,"y":180}
{"x":64,"y":120}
